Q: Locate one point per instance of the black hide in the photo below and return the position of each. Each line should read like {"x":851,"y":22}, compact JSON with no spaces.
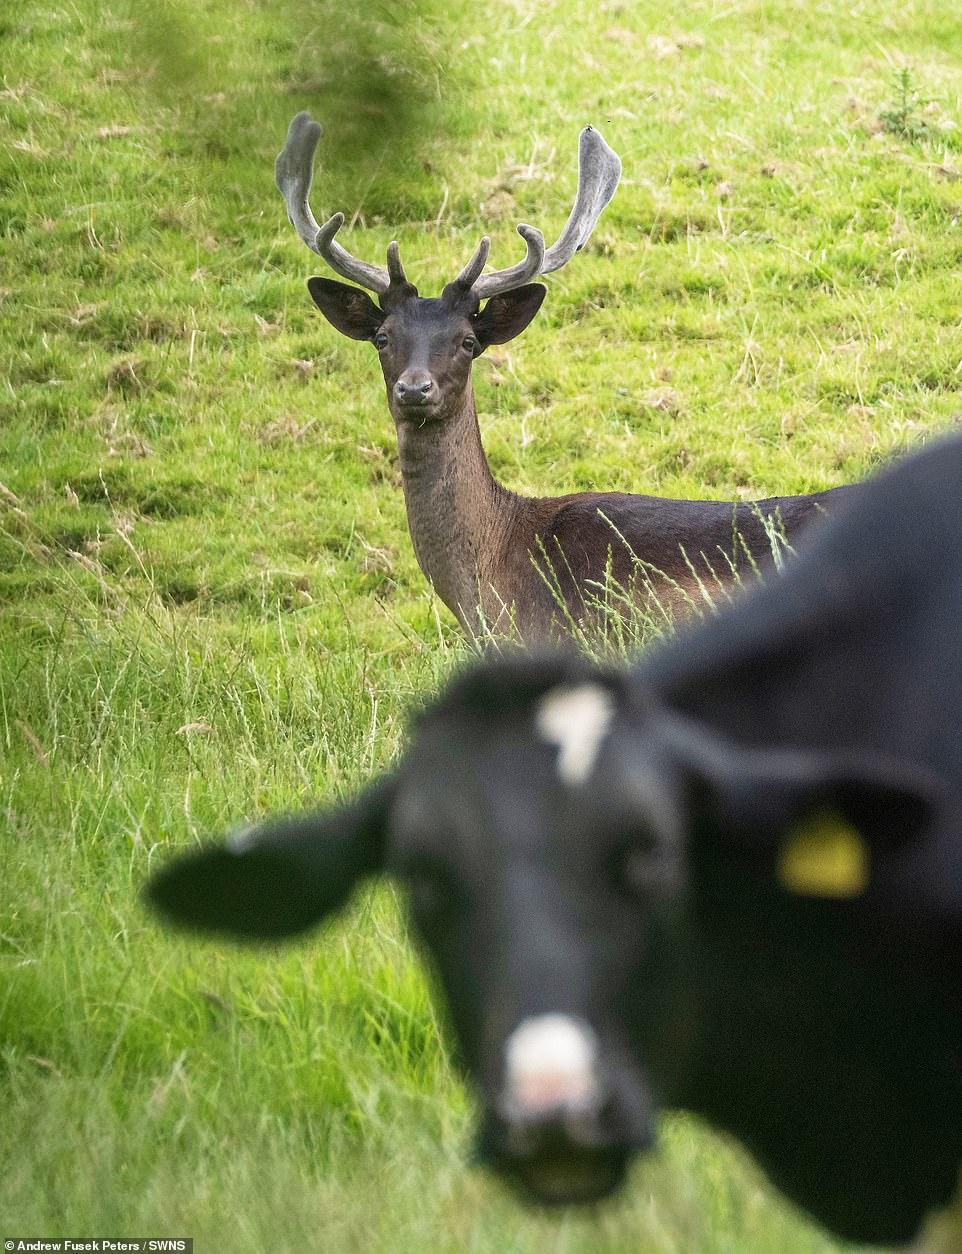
{"x":750,"y":889}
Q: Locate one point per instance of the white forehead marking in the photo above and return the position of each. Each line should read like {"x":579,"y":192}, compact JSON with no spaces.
{"x":550,"y":1060}
{"x":577,"y":721}
{"x":243,"y":839}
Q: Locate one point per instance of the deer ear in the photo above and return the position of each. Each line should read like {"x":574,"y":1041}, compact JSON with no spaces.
{"x":278,"y":878}
{"x":347,"y":309}
{"x":507,"y":315}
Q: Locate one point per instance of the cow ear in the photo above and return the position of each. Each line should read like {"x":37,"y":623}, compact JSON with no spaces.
{"x":824,"y":821}
{"x":279,"y":878}
{"x":347,"y":309}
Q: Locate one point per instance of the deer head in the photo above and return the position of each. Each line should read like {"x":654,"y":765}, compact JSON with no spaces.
{"x":427,"y":345}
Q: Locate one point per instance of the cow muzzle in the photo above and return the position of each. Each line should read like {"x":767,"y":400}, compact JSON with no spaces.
{"x":563,"y":1130}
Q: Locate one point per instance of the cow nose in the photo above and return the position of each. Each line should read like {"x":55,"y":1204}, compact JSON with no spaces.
{"x":566,"y":1124}
{"x":552,"y":1092}
{"x":414,"y":388}
{"x":551,"y":1063}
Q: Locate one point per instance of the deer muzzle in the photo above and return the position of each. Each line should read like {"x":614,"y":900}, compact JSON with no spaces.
{"x":415,"y":389}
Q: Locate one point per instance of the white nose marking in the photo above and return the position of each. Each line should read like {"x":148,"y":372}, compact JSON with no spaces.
{"x":577,"y":721}
{"x":550,"y":1061}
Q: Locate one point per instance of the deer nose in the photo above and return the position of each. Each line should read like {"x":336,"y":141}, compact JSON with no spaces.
{"x":415,"y":387}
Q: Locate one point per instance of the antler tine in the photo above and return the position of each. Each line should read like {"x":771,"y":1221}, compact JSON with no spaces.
{"x":469,"y":275}
{"x":515,"y":276}
{"x":599,"y":170}
{"x":293,"y":172}
{"x":394,"y":268}
{"x":374,"y":278}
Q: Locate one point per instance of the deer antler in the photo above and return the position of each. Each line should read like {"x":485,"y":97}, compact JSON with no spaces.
{"x":599,"y":169}
{"x":293,"y":172}
{"x":503,"y":280}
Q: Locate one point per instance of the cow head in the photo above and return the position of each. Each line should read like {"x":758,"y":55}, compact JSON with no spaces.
{"x":545,"y":823}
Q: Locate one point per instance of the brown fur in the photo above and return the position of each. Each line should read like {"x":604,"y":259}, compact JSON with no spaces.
{"x":502,"y":562}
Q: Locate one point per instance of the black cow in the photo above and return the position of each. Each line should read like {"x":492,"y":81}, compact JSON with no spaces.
{"x":729,"y":880}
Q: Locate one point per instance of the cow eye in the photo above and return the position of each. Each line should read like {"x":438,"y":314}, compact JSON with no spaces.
{"x":470,"y":343}
{"x":647,"y":867}
{"x":431,"y":892}
{"x":380,"y":340}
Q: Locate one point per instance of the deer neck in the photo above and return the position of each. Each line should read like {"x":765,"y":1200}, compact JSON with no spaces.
{"x":459,"y":515}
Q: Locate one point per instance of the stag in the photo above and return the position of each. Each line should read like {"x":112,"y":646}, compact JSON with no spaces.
{"x":502,"y":562}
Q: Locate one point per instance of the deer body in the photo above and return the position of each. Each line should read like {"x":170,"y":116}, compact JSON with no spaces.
{"x":503,"y":562}
{"x":487,"y":550}
{"x":464,"y":524}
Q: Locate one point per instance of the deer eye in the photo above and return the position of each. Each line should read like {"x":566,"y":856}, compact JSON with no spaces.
{"x":380,"y":340}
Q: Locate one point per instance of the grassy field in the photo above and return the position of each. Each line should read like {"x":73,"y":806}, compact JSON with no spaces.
{"x":209,"y":607}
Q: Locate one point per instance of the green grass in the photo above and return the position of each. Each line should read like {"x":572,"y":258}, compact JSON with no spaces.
{"x":209,"y":607}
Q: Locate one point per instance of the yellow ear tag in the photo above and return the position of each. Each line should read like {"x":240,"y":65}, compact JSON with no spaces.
{"x":824,"y":857}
